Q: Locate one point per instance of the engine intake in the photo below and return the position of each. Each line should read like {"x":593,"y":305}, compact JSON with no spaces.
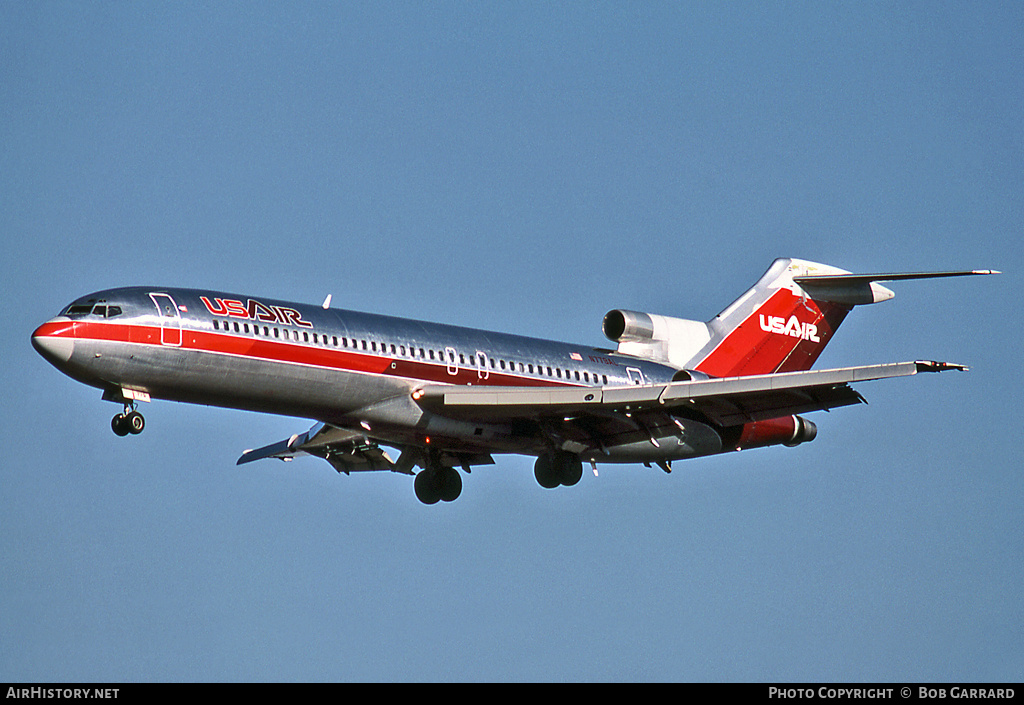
{"x":623,"y":326}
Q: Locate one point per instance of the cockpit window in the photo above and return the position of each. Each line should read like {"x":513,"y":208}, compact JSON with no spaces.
{"x":102,"y":310}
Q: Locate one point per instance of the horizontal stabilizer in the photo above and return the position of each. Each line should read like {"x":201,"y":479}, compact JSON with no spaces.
{"x":857,"y":289}
{"x":897,"y":276}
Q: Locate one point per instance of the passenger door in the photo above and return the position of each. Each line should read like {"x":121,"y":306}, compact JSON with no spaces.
{"x":170,"y":319}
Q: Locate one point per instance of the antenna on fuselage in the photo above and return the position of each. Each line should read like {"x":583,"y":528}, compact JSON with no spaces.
{"x":327,"y":302}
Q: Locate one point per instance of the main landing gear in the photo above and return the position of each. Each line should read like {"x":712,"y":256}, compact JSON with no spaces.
{"x":558,"y":468}
{"x":130,"y":421}
{"x":438,"y":484}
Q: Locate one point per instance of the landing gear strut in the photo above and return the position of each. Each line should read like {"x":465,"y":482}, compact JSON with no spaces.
{"x":558,"y":468}
{"x":130,"y":421}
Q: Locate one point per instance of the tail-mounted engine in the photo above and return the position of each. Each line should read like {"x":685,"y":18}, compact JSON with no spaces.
{"x":654,"y":337}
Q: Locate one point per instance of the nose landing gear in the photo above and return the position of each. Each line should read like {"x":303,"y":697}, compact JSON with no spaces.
{"x":130,"y":421}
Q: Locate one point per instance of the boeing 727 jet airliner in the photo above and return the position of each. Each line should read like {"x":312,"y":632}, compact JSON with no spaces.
{"x":448,"y":398}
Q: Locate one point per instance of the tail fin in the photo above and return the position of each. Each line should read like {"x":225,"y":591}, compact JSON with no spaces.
{"x":784,"y":322}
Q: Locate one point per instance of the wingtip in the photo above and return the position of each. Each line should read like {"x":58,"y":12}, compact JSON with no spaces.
{"x":934,"y":366}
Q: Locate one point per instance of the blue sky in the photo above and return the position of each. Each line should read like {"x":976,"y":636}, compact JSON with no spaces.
{"x":522,"y":167}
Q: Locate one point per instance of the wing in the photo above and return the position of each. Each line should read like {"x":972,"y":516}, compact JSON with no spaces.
{"x":723,"y":401}
{"x":580,"y":418}
{"x":346,"y":450}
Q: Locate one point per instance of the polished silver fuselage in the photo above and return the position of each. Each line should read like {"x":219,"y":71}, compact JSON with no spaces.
{"x":344,"y":368}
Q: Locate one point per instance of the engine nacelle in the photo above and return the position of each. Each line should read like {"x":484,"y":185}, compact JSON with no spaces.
{"x":788,"y":431}
{"x":662,"y":338}
{"x":624,"y":326}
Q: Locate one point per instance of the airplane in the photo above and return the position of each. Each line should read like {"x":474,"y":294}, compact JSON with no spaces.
{"x":448,"y":398}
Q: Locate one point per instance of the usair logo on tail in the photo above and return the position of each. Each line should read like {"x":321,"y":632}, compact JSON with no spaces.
{"x":793,"y":328}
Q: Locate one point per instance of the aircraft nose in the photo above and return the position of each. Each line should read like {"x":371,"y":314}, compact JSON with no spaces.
{"x":55,"y":341}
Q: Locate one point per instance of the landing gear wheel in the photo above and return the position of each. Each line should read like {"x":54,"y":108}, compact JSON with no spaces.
{"x":559,"y":468}
{"x":135,"y":422}
{"x":434,"y":485}
{"x":451,"y":484}
{"x":544,"y":471}
{"x":128,"y":422}
{"x":572,"y":469}
{"x":426,"y":486}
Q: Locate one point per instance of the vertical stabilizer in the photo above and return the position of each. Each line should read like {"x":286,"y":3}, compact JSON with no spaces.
{"x":776,"y":326}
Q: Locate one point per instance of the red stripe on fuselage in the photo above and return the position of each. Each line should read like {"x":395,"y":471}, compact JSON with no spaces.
{"x":55,"y":329}
{"x":276,"y":350}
